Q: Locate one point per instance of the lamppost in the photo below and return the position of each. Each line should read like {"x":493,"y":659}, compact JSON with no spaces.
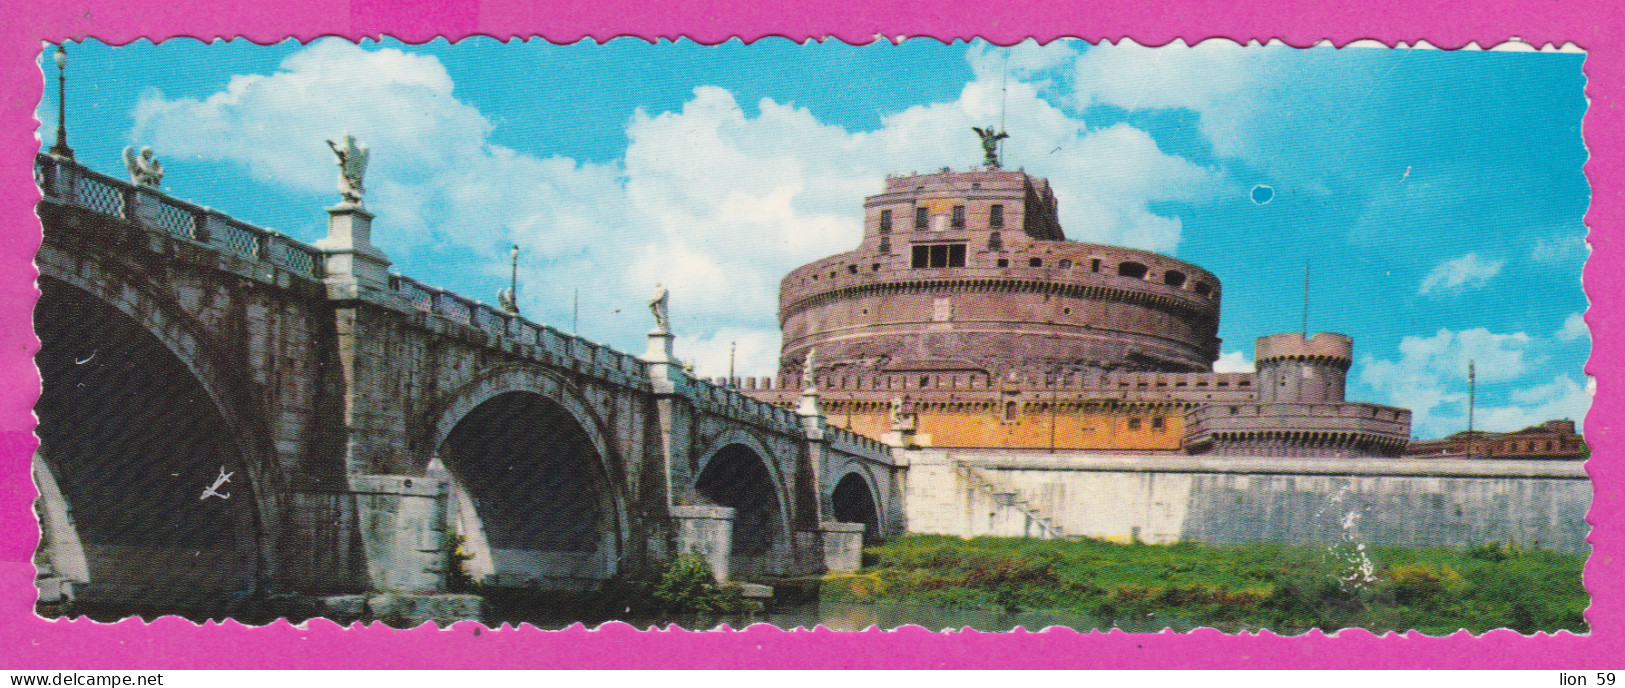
{"x":61,"y":149}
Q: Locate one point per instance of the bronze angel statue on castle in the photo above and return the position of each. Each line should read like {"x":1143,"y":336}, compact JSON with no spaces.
{"x":990,"y":144}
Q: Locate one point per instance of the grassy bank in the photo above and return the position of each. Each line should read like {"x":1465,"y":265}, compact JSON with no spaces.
{"x":1283,"y":588}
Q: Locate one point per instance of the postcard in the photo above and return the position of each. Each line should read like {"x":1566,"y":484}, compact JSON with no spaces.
{"x":1092,"y":336}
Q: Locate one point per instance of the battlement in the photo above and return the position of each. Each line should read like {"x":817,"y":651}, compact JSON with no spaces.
{"x":1328,"y":347}
{"x":1342,"y":429}
{"x":959,"y":385}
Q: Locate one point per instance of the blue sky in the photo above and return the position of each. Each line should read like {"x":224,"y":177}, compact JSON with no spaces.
{"x":1437,"y":196}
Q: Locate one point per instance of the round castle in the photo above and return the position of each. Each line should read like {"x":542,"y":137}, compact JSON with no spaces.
{"x":969,"y":273}
{"x":965,"y":318}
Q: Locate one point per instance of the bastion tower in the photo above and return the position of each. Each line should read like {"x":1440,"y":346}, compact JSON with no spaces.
{"x":965,"y":318}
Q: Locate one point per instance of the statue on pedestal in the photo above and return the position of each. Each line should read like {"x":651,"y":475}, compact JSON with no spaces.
{"x":902,"y":415}
{"x":506,"y":301}
{"x":809,"y":370}
{"x":145,"y":170}
{"x":352,"y":157}
{"x":657,"y":306}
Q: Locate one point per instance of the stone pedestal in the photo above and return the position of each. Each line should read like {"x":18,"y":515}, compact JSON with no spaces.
{"x":403,"y":528}
{"x":353,"y":264}
{"x":708,"y":532}
{"x":843,"y":546}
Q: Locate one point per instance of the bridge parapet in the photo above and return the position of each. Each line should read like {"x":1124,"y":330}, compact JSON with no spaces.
{"x":517,"y":335}
{"x":69,"y":183}
{"x":845,"y":440}
{"x":724,"y":400}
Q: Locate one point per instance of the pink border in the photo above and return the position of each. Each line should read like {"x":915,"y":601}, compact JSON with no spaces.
{"x":27,"y":642}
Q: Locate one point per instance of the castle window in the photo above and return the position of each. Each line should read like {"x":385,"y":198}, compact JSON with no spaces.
{"x":1009,"y":411}
{"x":1131,"y":269}
{"x":1094,"y":265}
{"x":1235,"y":410}
{"x":995,"y":215}
{"x":885,"y":247}
{"x":1173,"y":278}
{"x":1066,"y":264}
{"x":922,"y":218}
{"x":925,"y":381}
{"x":876,"y":267}
{"x":852,"y":269}
{"x":1004,"y":262}
{"x":959,"y":216}
{"x":1134,"y":424}
{"x":885,"y":221}
{"x":1066,"y":311}
{"x":1203,"y":288}
{"x":1159,"y":424}
{"x":1035,"y":262}
{"x":939,"y":256}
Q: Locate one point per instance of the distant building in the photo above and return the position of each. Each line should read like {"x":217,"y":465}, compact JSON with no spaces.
{"x":967,"y":319}
{"x":1553,"y":439}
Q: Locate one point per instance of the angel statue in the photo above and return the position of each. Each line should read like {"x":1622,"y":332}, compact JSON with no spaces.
{"x":352,"y":165}
{"x":145,"y":170}
{"x":990,"y":144}
{"x":657,"y":306}
{"x":896,"y":411}
{"x":506,"y":301}
{"x":809,"y":369}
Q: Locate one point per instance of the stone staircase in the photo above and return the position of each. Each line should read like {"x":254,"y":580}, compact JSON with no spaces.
{"x":1006,"y":496}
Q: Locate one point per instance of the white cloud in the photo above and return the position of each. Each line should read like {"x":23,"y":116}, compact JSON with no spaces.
{"x":1218,"y":78}
{"x":713,"y":203}
{"x":1563,"y":397}
{"x":1574,"y":327}
{"x":1430,"y":378}
{"x":755,"y":352}
{"x":1234,"y":362}
{"x":1459,"y":274}
{"x":1559,"y":248}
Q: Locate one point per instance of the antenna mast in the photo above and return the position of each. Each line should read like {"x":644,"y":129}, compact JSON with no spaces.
{"x":1472,"y":390}
{"x":1004,"y":98}
{"x":1305,"y":323}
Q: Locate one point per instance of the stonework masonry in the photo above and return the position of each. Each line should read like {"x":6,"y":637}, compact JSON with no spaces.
{"x":965,"y":300}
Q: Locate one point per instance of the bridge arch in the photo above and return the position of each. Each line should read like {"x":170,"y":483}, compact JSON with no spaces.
{"x":539,"y":497}
{"x":137,"y":417}
{"x":738,"y":471}
{"x":855,"y":499}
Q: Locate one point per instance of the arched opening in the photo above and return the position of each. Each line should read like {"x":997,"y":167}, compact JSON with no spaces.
{"x":1132,"y":269}
{"x":738,"y":478}
{"x":537,"y":484}
{"x":854,"y":502}
{"x":138,"y":449}
{"x":1173,"y":278}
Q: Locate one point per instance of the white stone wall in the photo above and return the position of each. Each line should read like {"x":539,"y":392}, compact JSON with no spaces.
{"x":1166,"y":499}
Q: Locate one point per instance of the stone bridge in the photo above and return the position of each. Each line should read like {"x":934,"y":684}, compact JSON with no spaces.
{"x":370,"y":424}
